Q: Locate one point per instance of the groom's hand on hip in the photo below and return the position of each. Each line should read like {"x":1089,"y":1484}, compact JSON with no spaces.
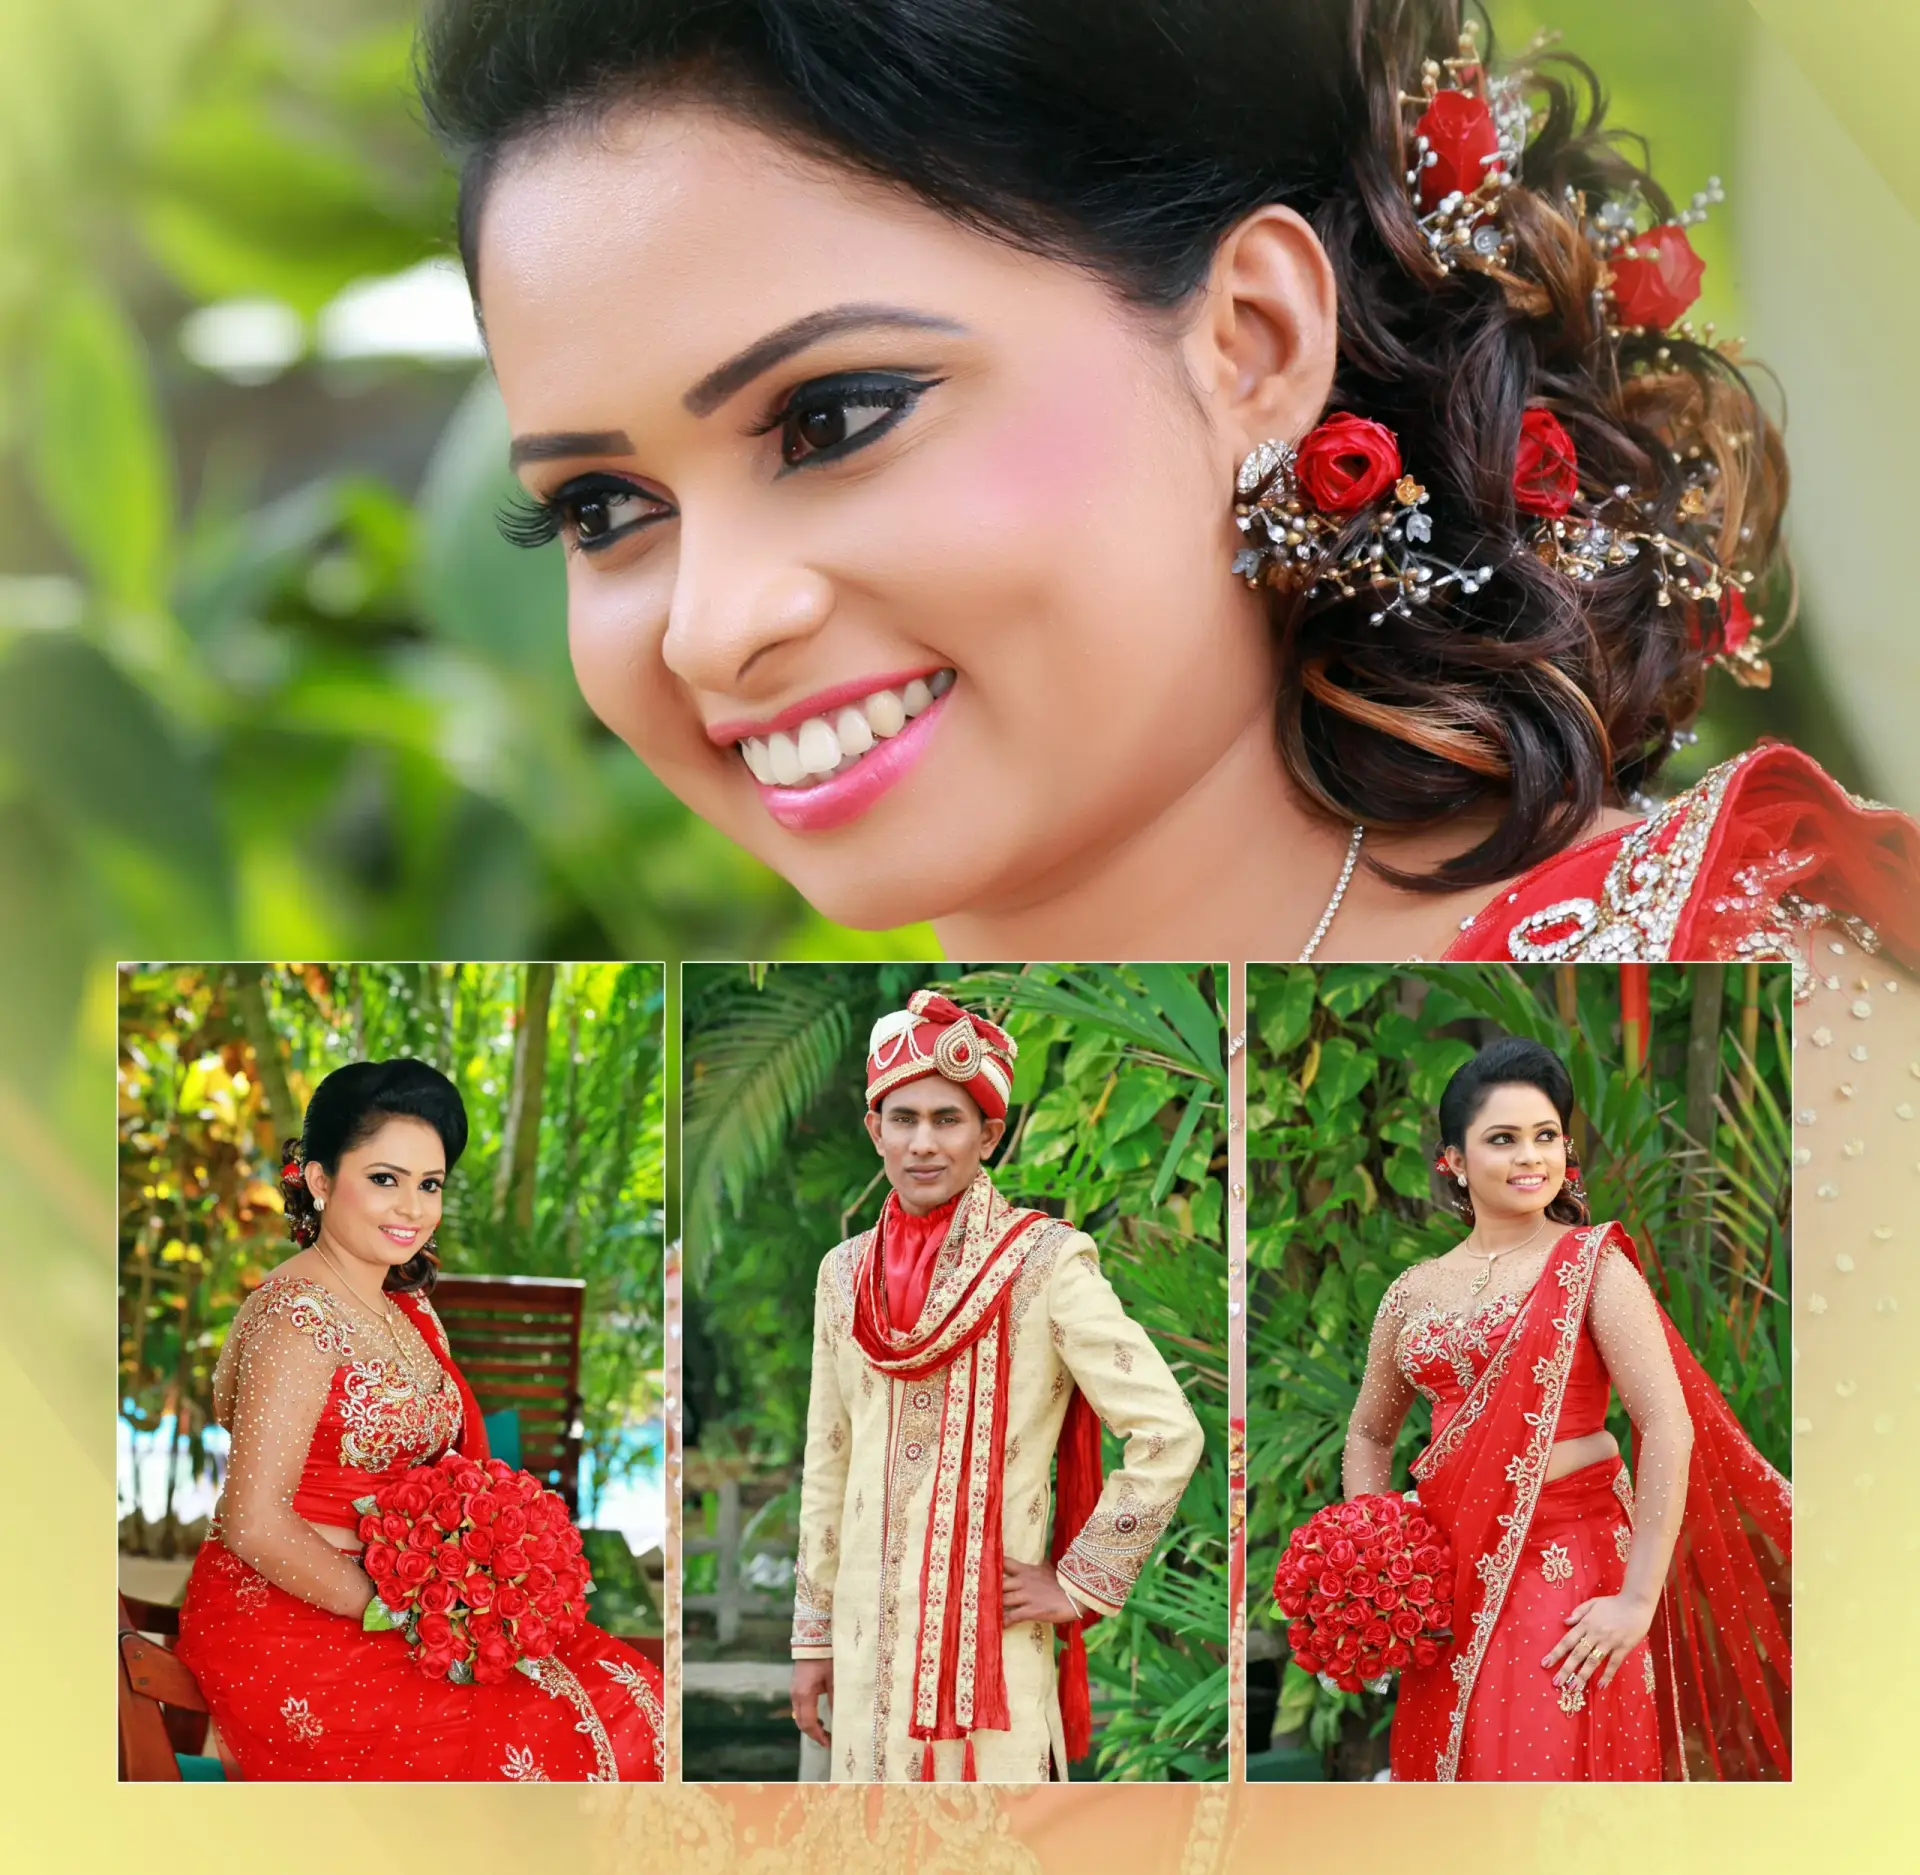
{"x":1032,"y":1592}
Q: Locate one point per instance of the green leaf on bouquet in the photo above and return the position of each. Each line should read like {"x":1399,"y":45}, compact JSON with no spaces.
{"x":460,"y":1673}
{"x":525,"y":1664}
{"x":366,"y":1506}
{"x":378,"y":1618}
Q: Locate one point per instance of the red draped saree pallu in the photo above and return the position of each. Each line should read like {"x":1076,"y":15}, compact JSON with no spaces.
{"x":1706,"y":1695}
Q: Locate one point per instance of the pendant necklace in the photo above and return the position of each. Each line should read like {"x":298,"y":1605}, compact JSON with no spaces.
{"x":1493,"y":1256}
{"x":1339,"y":892}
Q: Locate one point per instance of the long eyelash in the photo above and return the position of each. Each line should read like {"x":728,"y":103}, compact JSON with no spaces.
{"x":525,"y":522}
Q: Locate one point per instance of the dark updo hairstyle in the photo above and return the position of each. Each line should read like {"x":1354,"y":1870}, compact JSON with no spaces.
{"x":1514,"y":1061}
{"x":347,"y":1109}
{"x":1127,"y":137}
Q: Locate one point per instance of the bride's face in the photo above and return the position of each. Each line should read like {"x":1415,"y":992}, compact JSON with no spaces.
{"x":1516,"y":1154}
{"x":899,"y":555}
{"x":383,"y":1200}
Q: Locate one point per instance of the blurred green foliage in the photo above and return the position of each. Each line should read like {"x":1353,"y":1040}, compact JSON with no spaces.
{"x":1117,"y":1123}
{"x":1346,"y":1067}
{"x":217,"y":1063}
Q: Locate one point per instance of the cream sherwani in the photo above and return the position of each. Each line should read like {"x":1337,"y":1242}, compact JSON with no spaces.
{"x":870,"y":1481}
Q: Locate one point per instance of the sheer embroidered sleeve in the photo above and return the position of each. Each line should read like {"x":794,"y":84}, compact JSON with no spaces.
{"x":1385,"y":1395}
{"x":278,"y":1369}
{"x":1133,"y":1391}
{"x":823,"y":1478}
{"x":1633,"y":1342}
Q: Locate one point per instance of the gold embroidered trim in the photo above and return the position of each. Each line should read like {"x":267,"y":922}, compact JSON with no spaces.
{"x":812,"y":1608}
{"x":640,"y":1691}
{"x":559,"y":1681}
{"x":1528,"y":1473}
{"x":1645,"y":892}
{"x":1113,"y":1546}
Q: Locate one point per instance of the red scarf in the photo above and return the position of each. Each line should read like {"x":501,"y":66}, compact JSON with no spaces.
{"x":962,"y":1348}
{"x":910,"y":1247}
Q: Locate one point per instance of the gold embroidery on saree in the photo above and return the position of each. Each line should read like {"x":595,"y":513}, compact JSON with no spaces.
{"x":1528,"y":1473}
{"x":559,"y":1681}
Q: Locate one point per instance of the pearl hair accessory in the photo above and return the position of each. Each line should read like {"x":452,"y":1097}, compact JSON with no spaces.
{"x":1336,"y":515}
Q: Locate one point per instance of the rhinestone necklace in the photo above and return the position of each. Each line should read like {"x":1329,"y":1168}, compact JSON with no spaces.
{"x":1339,"y":892}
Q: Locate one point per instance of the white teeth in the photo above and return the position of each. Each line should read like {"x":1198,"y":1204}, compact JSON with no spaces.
{"x":784,"y":759}
{"x":819,"y":748}
{"x":823,"y":746}
{"x":850,"y":726}
{"x":885,"y":713}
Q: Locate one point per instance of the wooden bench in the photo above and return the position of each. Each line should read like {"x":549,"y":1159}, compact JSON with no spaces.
{"x":517,"y":1340}
{"x":162,"y":1711}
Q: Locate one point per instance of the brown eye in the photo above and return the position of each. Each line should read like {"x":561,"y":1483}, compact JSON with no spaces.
{"x":821,"y":426}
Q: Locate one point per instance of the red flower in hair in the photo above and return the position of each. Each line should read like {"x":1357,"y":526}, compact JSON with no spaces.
{"x":1461,"y":143}
{"x":1347,"y":463}
{"x":1736,"y":619}
{"x":290,"y":1172}
{"x":1659,"y":280}
{"x":1546,"y":472}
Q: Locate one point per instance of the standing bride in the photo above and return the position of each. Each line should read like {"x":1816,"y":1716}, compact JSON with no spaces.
{"x":1607,"y":1626}
{"x":335,"y":1376}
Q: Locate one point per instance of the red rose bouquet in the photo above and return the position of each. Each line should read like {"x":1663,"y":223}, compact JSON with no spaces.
{"x":478,"y":1565}
{"x":1367,"y":1588}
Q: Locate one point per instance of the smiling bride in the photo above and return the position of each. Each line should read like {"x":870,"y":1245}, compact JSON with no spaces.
{"x":337,"y":1378}
{"x":1244,"y":469}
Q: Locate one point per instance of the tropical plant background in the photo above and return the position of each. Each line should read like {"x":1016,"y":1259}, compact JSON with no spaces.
{"x":1117,"y":1122}
{"x":560,"y":1068}
{"x":1684,"y":1135}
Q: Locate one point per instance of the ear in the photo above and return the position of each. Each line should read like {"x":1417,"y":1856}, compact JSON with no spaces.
{"x":992,"y":1131}
{"x":1263,"y":349}
{"x":317,"y":1181}
{"x":873,"y":1128}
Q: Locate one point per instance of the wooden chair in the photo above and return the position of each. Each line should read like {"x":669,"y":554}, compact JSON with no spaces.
{"x":162,"y":1711}
{"x":517,"y":1340}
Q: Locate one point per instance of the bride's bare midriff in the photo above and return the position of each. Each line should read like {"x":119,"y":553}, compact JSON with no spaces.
{"x":350,"y":1539}
{"x":1571,"y":1455}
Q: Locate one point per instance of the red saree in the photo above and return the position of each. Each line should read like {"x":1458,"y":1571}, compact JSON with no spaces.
{"x":1741,"y":866}
{"x":1707,"y":1694}
{"x":301,"y":1693}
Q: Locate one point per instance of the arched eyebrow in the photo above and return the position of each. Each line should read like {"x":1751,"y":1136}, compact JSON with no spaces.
{"x":763,"y":354}
{"x":387,"y":1165}
{"x":557,"y":445}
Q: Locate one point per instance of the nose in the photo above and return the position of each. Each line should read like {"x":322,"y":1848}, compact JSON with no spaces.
{"x":735,"y":618}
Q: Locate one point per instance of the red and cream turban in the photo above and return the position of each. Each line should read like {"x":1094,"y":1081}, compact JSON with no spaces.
{"x":934,"y":1035}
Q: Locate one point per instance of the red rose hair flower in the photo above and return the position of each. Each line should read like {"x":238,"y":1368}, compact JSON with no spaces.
{"x":1546,"y":472}
{"x":1655,"y":283}
{"x":1461,"y":146}
{"x":1347,"y":463}
{"x":1736,"y":619}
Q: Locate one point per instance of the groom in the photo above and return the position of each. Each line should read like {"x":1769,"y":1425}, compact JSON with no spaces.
{"x":958,"y":1345}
